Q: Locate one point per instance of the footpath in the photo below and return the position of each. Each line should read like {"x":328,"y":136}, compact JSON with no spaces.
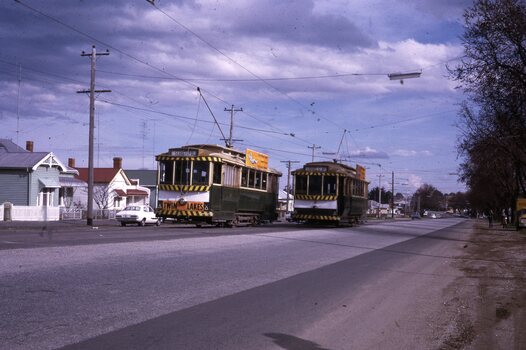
{"x":488,"y":304}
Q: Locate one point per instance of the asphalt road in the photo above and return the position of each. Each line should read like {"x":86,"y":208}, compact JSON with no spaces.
{"x":273,"y":287}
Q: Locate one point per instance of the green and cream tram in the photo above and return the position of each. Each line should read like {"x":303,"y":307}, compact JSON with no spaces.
{"x":216,"y":185}
{"x":330,"y":193}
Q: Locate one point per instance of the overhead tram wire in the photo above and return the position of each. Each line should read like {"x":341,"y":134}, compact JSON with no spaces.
{"x":152,"y":2}
{"x":118,"y":50}
{"x":186,"y":118}
{"x":113,"y":47}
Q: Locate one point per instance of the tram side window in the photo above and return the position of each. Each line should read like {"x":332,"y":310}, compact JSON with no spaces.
{"x":217,"y":173}
{"x":231,"y":177}
{"x":300,"y":184}
{"x":264,"y":181}
{"x":358,"y":188}
{"x":182,"y":172}
{"x":251,"y":178}
{"x":329,"y":183}
{"x":315,"y":184}
{"x":244,"y":177}
{"x":166,"y":169}
{"x":257,"y":183}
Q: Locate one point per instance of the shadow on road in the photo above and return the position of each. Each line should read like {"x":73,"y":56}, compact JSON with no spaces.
{"x":290,"y":342}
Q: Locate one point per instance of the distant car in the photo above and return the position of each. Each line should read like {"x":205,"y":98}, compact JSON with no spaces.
{"x":137,"y":214}
{"x":522,"y":219}
{"x":415,"y":216}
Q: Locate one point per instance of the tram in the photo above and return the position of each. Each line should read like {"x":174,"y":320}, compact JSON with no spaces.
{"x":330,"y":193}
{"x":213,"y":184}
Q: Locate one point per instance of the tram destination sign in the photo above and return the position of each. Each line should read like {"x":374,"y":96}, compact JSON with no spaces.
{"x":315,"y":168}
{"x":183,"y":152}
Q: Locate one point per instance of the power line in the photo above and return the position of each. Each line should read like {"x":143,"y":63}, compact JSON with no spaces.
{"x":152,"y":2}
{"x":123,"y":52}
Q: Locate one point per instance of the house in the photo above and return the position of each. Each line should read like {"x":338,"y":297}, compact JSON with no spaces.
{"x":148,"y":179}
{"x":112,"y":188}
{"x":285,"y":204}
{"x":35,"y":184}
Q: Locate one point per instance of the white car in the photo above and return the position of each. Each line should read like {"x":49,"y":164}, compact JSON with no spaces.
{"x":137,"y":214}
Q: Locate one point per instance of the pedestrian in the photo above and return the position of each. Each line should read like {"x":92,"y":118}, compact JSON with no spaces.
{"x":490,"y":218}
{"x":504,"y":218}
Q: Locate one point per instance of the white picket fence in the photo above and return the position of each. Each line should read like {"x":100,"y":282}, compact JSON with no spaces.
{"x":31,"y":213}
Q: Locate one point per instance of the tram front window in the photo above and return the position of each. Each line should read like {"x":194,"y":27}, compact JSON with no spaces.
{"x":315,"y":184}
{"x":301,"y":184}
{"x":200,"y":173}
{"x":182,"y":172}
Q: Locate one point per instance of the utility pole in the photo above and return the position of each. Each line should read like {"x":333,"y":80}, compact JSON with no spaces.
{"x":289,"y":162}
{"x":230,"y":140}
{"x":93,"y":55}
{"x":379,"y":194}
{"x":392,"y":194}
{"x":314,"y":147}
{"x":18,"y":103}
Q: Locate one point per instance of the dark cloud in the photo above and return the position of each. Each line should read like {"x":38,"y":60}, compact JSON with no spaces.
{"x":295,"y":21}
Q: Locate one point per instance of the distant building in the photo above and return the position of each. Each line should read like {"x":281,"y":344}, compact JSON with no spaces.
{"x":35,"y":180}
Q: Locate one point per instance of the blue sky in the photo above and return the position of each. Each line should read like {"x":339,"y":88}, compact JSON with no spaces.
{"x":311,"y":69}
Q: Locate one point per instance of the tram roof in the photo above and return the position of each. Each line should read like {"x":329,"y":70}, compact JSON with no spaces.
{"x":326,"y":167}
{"x":228,"y":155}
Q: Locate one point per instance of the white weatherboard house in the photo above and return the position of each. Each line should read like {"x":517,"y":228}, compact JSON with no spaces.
{"x":112,"y":188}
{"x":33,"y":185}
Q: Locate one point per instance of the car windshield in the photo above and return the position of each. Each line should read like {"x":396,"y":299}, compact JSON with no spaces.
{"x":132,"y":208}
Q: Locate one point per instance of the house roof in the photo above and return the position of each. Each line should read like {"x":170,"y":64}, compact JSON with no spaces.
{"x":71,"y":182}
{"x":134,"y":192}
{"x":13,"y":156}
{"x":100,"y":175}
{"x":131,"y":192}
{"x":145,"y":177}
{"x":8,"y":146}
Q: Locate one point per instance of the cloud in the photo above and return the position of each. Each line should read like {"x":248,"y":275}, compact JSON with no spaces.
{"x":368,"y":152}
{"x":415,"y":181}
{"x":411,"y":153}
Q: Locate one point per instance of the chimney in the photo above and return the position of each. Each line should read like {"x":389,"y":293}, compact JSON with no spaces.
{"x":71,"y":162}
{"x":29,"y":146}
{"x":117,"y":163}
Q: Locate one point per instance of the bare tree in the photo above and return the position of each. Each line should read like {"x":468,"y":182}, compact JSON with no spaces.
{"x":101,"y":196}
{"x":493,"y":118}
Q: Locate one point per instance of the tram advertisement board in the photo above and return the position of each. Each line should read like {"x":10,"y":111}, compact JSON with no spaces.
{"x":256,"y":160}
{"x":360,"y":171}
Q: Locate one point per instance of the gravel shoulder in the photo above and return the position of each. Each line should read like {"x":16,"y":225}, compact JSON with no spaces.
{"x":486,"y":306}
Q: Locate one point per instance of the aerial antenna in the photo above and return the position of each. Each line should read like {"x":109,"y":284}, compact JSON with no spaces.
{"x":18,"y":103}
{"x":212,"y":113}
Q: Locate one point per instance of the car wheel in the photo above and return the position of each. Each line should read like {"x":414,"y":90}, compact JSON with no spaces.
{"x":158,"y":222}
{"x":142,"y":222}
{"x":123,"y":224}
